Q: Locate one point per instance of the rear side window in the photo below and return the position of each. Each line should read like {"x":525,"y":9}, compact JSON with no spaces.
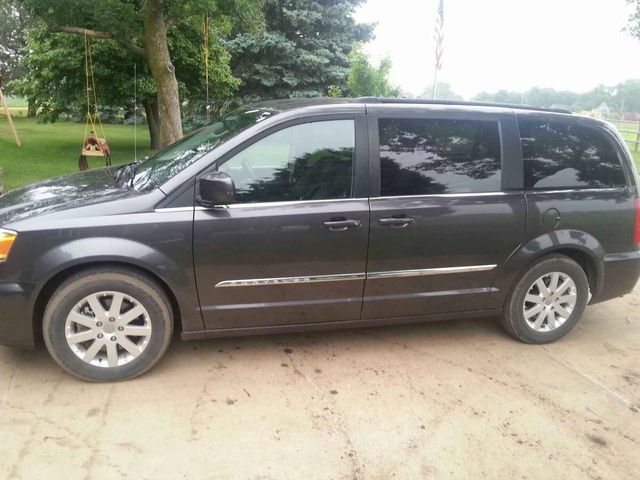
{"x":559,"y":155}
{"x":434,"y":156}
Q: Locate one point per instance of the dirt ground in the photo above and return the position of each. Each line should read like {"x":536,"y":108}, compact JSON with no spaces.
{"x":442,"y":400}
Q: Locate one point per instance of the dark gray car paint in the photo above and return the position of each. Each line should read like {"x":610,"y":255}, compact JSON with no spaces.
{"x":76,"y":221}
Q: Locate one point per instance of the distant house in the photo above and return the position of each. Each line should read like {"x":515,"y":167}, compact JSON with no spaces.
{"x":601,"y":111}
{"x":631,"y":117}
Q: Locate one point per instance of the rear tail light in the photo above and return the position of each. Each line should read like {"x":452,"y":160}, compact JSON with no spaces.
{"x":636,"y":228}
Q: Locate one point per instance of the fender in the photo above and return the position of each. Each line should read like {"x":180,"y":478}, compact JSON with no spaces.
{"x":534,"y":249}
{"x":89,"y":250}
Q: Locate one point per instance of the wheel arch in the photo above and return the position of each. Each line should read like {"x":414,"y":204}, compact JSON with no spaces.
{"x":129,"y":256}
{"x":581,"y":247}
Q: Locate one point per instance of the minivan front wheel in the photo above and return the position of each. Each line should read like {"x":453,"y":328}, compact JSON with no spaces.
{"x":108,"y":324}
{"x":547,"y":301}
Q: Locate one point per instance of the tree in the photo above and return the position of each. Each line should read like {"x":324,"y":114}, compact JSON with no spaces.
{"x":627,"y":96}
{"x":368,"y":80}
{"x":302,"y":51}
{"x":502,"y":96}
{"x":54,"y":79}
{"x":445,"y":92}
{"x":13,"y":21}
{"x":55,"y":74}
{"x":143,"y":29}
{"x":634,"y":19}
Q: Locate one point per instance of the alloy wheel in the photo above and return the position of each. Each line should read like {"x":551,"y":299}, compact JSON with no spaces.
{"x":108,"y":329}
{"x":549,"y":301}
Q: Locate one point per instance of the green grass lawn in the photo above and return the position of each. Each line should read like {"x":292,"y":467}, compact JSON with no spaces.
{"x":636,"y":156}
{"x":630,"y":136}
{"x":50,"y":150}
{"x":15,"y":101}
{"x":17,"y":106}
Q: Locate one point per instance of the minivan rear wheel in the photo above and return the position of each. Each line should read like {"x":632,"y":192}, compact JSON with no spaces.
{"x":107,"y":324}
{"x":548,"y":301}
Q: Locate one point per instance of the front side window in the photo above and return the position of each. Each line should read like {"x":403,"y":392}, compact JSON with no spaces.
{"x":435,"y":156}
{"x":560,"y":155}
{"x":311,"y":161}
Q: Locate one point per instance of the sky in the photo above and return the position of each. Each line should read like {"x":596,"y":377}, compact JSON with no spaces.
{"x":505,"y":44}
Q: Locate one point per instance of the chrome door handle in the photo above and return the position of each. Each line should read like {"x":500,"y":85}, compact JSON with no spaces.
{"x":397,"y":222}
{"x":341,"y":224}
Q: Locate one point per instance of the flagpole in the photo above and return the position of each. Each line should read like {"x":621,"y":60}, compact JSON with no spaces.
{"x":439,"y":38}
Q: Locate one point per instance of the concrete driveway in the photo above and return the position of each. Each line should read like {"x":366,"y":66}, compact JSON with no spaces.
{"x":442,"y":400}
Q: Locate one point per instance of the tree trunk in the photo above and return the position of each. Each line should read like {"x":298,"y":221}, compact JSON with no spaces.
{"x":31,"y":109}
{"x":153,"y":123}
{"x":162,"y":70}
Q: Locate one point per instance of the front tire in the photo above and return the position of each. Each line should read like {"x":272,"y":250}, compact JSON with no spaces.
{"x":107,"y":324}
{"x":548,"y":301}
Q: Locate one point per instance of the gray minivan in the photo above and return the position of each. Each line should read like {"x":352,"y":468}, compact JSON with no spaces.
{"x":312,"y":214}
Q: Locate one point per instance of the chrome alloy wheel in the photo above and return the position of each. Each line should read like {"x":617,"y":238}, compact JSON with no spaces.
{"x":108,"y":329}
{"x":549,"y":301}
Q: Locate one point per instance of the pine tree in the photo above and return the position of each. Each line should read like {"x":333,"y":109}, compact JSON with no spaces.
{"x":303,"y":50}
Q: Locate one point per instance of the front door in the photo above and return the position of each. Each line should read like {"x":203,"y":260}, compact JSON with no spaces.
{"x":448,"y":210}
{"x":292,"y":250}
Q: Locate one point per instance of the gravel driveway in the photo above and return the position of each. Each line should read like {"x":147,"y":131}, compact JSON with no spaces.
{"x":458,"y":399}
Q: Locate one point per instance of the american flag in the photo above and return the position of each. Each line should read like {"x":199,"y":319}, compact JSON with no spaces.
{"x":439,"y":38}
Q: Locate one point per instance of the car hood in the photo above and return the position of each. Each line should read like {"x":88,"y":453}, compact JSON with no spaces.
{"x":60,"y":193}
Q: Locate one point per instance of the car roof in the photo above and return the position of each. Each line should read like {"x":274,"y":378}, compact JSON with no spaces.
{"x":295,"y":103}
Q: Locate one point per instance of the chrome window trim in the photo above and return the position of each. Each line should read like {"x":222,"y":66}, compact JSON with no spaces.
{"x":282,"y":203}
{"x":451,"y":195}
{"x":398,"y":197}
{"x":353,"y":276}
{"x":578,"y":190}
{"x":174,"y":209}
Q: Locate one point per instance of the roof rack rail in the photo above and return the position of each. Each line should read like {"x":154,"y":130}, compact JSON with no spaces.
{"x":464,"y":103}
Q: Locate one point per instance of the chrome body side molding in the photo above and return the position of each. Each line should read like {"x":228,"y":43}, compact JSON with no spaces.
{"x":254,"y":282}
{"x":430,"y":271}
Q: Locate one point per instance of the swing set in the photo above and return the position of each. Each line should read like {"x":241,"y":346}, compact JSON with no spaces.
{"x":7,"y":112}
{"x":97,"y":146}
{"x":92,"y":144}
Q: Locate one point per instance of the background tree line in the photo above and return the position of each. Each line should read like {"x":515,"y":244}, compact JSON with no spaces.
{"x":257,"y":50}
{"x":623,"y":97}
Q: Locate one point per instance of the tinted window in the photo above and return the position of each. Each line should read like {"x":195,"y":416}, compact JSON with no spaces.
{"x":559,"y":155}
{"x":423,"y":156}
{"x":312,"y":161}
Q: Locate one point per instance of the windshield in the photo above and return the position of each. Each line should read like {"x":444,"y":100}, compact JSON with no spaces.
{"x":154,"y":171}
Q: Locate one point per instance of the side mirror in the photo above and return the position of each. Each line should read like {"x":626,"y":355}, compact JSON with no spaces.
{"x":216,"y":188}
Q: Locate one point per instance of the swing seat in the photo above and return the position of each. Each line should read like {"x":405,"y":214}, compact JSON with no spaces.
{"x":90,"y":152}
{"x":95,"y":147}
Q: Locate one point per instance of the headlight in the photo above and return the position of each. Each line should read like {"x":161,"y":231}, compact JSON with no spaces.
{"x":7,"y":237}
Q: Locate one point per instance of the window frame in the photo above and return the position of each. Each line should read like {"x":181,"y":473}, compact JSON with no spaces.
{"x":587,"y":124}
{"x":510,"y":152}
{"x":360,"y":164}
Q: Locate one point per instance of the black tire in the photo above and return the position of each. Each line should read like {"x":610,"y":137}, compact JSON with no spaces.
{"x":513,"y":318}
{"x":133,"y":285}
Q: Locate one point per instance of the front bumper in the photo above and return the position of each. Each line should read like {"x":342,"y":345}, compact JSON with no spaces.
{"x":16,"y":315}
{"x":621,"y":273}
